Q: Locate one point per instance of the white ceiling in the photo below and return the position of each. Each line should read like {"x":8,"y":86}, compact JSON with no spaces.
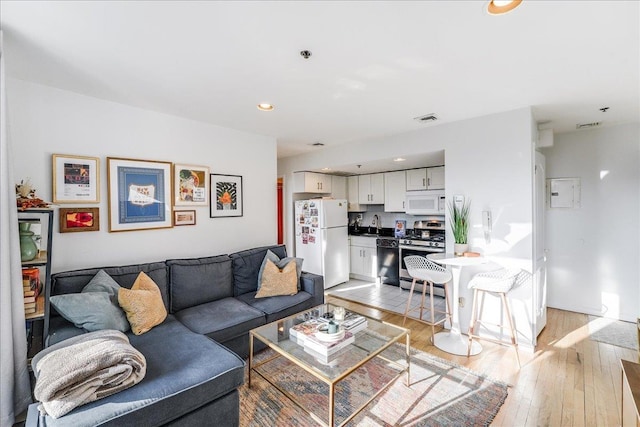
{"x":374,"y":65}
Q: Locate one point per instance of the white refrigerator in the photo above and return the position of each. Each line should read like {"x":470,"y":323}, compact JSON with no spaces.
{"x":322,"y":238}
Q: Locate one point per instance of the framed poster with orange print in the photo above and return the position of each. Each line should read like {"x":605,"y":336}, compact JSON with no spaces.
{"x":226,"y":196}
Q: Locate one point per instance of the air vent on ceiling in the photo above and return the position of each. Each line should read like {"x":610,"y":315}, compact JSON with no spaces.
{"x":317,"y":144}
{"x":587,"y":125}
{"x":426,"y":118}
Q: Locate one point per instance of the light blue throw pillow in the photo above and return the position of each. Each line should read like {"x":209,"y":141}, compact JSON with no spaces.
{"x":280,"y":263}
{"x":96,"y":307}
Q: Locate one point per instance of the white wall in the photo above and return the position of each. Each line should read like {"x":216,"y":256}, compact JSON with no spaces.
{"x":45,"y":121}
{"x":594,"y":251}
{"x":487,"y":159}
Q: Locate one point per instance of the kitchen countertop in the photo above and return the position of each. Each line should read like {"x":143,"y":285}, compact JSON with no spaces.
{"x":371,"y":232}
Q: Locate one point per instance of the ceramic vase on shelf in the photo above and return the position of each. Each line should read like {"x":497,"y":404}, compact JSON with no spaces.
{"x":460,"y":248}
{"x":28,"y":248}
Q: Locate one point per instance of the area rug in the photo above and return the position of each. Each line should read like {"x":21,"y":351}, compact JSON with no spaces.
{"x":614,"y":332}
{"x":441,"y":394}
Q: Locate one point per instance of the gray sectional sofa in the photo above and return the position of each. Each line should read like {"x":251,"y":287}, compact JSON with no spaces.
{"x":195,"y":357}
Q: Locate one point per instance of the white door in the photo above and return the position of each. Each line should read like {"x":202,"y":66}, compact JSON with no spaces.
{"x":539,"y":249}
{"x":416,"y":179}
{"x":335,"y":256}
{"x":333,"y":213}
{"x":395,"y":188}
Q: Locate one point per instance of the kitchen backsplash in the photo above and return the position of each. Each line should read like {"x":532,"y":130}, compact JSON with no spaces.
{"x":388,"y":219}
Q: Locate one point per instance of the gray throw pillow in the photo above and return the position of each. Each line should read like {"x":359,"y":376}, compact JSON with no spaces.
{"x":280,"y":263}
{"x":102,"y":282}
{"x":92,"y":311}
{"x":96,"y":307}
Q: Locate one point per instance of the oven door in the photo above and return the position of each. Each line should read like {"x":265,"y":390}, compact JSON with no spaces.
{"x":405,"y":278}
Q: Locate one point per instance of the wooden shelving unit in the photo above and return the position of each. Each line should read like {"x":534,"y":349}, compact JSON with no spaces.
{"x":43,"y":263}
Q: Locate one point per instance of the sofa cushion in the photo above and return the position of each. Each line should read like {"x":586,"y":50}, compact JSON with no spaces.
{"x":277,"y":282}
{"x":199,"y":280}
{"x":281,"y":306}
{"x":143,"y":304}
{"x":281,"y":263}
{"x":70,"y":282}
{"x":223,"y":319}
{"x":92,"y":311}
{"x":96,"y":307}
{"x":246,"y":266}
{"x":187,"y":374}
{"x":61,"y":329}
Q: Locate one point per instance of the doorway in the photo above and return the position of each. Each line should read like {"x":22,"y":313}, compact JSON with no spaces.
{"x":280,"y":219}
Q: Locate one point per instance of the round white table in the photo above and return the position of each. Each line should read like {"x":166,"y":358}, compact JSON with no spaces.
{"x":452,"y":340}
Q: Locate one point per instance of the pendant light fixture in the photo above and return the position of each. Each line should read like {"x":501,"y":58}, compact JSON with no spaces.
{"x":499,"y":7}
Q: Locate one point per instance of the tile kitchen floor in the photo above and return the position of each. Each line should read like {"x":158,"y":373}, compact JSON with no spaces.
{"x":384,"y":297}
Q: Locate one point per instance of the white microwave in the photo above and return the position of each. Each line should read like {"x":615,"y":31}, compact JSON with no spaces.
{"x":426,"y":202}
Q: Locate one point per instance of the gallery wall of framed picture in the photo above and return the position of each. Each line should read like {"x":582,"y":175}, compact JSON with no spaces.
{"x":191,"y":185}
{"x":142,"y":194}
{"x":76,"y":179}
{"x":139,"y":194}
{"x":226,"y":196}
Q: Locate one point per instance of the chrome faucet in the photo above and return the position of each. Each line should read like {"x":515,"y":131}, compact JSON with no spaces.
{"x":376,"y":222}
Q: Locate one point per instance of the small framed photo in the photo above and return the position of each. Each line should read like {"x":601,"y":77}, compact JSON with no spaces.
{"x":139,"y":194}
{"x":184,"y":217}
{"x":226,"y":196}
{"x":79,"y":219}
{"x":191,"y":185}
{"x":76,"y":179}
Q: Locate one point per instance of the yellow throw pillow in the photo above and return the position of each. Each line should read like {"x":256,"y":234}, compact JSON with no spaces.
{"x":142,"y":304}
{"x":276,"y":282}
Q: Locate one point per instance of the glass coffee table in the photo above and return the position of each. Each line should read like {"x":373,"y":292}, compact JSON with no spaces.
{"x":369,"y":342}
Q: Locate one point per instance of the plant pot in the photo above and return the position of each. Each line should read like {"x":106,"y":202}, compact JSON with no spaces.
{"x":460,"y":248}
{"x":28,"y":248}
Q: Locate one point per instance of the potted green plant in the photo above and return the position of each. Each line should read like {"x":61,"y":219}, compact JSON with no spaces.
{"x":460,"y":225}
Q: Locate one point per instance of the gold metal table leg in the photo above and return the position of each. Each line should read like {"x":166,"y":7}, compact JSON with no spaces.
{"x":331,"y":403}
{"x":250,"y":357}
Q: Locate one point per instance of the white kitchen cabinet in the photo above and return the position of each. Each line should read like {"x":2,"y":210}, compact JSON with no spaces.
{"x":363,"y":257}
{"x":416,"y":179}
{"x":395,"y":187}
{"x":371,"y":189}
{"x":352,"y":195}
{"x":311,"y":182}
{"x":435,"y":178}
{"x":425,"y":179}
{"x":338,"y":187}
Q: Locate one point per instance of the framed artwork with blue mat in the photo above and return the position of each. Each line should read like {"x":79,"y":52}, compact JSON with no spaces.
{"x":139,"y":194}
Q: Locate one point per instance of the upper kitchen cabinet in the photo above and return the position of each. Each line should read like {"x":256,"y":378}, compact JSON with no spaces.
{"x":311,"y":182}
{"x":338,"y":187}
{"x":352,"y":195}
{"x":435,"y":178}
{"x":371,"y":189}
{"x":425,"y":179}
{"x":395,"y":187}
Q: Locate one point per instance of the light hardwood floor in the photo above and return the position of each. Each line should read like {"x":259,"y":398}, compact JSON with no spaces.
{"x":570,"y":380}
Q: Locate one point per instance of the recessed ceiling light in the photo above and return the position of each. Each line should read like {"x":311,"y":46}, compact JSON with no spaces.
{"x":499,"y":7}
{"x":265,"y":107}
{"x":399,"y":159}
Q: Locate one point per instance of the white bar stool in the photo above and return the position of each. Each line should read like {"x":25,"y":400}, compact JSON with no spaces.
{"x":420,"y":268}
{"x":498,"y":282}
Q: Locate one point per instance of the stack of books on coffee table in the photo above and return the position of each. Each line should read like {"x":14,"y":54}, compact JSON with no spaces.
{"x":321,"y":345}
